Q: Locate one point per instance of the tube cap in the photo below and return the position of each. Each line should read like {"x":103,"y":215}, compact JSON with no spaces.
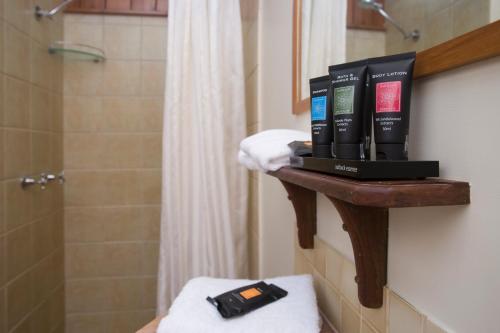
{"x":321,"y":151}
{"x":391,"y":151}
{"x":349,"y":151}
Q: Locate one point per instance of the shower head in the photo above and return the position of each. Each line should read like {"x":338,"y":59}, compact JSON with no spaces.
{"x":39,"y":12}
{"x":378,"y":7}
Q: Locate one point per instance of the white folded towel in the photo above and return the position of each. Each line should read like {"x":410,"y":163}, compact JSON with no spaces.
{"x":268,"y":150}
{"x":295,"y":313}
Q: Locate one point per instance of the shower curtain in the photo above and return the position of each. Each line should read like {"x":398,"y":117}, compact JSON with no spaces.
{"x":323,"y":38}
{"x":204,"y":194}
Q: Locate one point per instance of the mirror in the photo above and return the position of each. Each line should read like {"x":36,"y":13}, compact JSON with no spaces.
{"x":327,"y":32}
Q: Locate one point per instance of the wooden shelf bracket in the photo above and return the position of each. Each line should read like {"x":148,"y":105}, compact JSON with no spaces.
{"x":364,"y":209}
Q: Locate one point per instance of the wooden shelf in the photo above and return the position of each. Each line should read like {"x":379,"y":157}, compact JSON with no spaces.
{"x":364,"y":209}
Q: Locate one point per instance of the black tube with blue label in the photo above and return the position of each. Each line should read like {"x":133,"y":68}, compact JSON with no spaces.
{"x":321,"y":117}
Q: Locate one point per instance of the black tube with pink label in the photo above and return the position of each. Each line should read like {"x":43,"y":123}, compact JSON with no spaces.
{"x":391,"y":80}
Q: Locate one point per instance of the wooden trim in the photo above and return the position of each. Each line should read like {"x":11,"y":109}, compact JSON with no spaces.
{"x":477,"y":45}
{"x":103,"y":8}
{"x":115,"y":12}
{"x":299,"y":105}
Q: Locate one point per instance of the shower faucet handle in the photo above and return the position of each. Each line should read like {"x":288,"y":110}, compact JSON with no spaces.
{"x":27,"y":182}
{"x":50,"y":177}
{"x":61,"y":178}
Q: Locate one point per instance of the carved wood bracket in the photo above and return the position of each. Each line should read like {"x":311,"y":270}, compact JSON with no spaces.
{"x":304,"y":204}
{"x":368,"y":229}
{"x":364,"y":209}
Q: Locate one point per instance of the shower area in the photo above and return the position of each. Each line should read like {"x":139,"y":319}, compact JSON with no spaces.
{"x":80,"y":165}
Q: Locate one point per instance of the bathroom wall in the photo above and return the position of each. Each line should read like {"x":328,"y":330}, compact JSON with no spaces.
{"x":362,"y":44}
{"x":31,"y":229}
{"x":443,"y":274}
{"x":250,"y":22}
{"x":438,"y":21}
{"x":112,"y":156}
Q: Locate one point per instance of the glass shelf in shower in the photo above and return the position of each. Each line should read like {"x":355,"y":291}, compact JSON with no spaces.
{"x":74,"y":51}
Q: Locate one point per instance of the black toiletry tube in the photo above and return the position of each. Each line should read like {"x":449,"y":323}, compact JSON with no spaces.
{"x":321,"y":117}
{"x":350,"y":126}
{"x":391,"y":80}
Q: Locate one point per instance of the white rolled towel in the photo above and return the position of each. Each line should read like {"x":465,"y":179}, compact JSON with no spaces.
{"x":268,"y":150}
{"x":295,"y":313}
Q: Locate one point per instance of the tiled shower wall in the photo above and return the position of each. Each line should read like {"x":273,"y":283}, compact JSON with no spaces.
{"x":249,"y":15}
{"x":438,"y":21}
{"x":112,"y":146}
{"x":337,"y":295}
{"x":31,"y":227}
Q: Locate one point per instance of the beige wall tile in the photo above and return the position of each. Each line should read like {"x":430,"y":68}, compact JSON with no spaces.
{"x":83,"y":323}
{"x":89,"y":33}
{"x":19,"y":300}
{"x":42,"y":235}
{"x":97,"y":295}
{"x":2,"y":174}
{"x":376,"y":317}
{"x":17,"y":204}
{"x":105,"y":259}
{"x":42,"y":65}
{"x":122,"y":42}
{"x":253,"y":245}
{"x":100,"y":224}
{"x":19,"y":14}
{"x":81,"y":113}
{"x":366,"y":328}
{"x":469,"y":15}
{"x":154,"y":21}
{"x":101,"y":188}
{"x":17,"y":53}
{"x":348,"y":286}
{"x":82,"y":18}
{"x":122,"y":19}
{"x":19,"y":251}
{"x":56,"y":305}
{"x":154,"y":42}
{"x":251,"y":88}
{"x":16,"y":103}
{"x":333,"y":269}
{"x":3,"y":262}
{"x":319,"y":255}
{"x":151,"y":148}
{"x":103,"y":151}
{"x":403,"y":318}
{"x":121,"y":114}
{"x":153,"y":78}
{"x":3,"y":311}
{"x":41,"y":152}
{"x":82,"y":78}
{"x":150,"y":181}
{"x":41,"y":108}
{"x":302,"y":265}
{"x":121,"y":78}
{"x":152,"y":114}
{"x":329,"y":301}
{"x":351,"y":322}
{"x":39,"y":319}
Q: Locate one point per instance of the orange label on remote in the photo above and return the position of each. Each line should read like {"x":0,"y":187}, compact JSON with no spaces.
{"x":250,"y":293}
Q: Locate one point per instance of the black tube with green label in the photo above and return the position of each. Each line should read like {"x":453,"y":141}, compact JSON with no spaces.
{"x":350,"y":113}
{"x":321,"y":117}
{"x":390,"y":96}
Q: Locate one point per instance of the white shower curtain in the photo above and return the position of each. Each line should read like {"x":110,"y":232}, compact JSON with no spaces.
{"x":204,"y":195}
{"x":323,"y":38}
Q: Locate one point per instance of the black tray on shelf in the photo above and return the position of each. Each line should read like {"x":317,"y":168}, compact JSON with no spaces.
{"x":368,"y":169}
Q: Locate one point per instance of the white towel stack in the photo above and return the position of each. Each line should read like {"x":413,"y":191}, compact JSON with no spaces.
{"x":295,"y":313}
{"x":268,"y":150}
